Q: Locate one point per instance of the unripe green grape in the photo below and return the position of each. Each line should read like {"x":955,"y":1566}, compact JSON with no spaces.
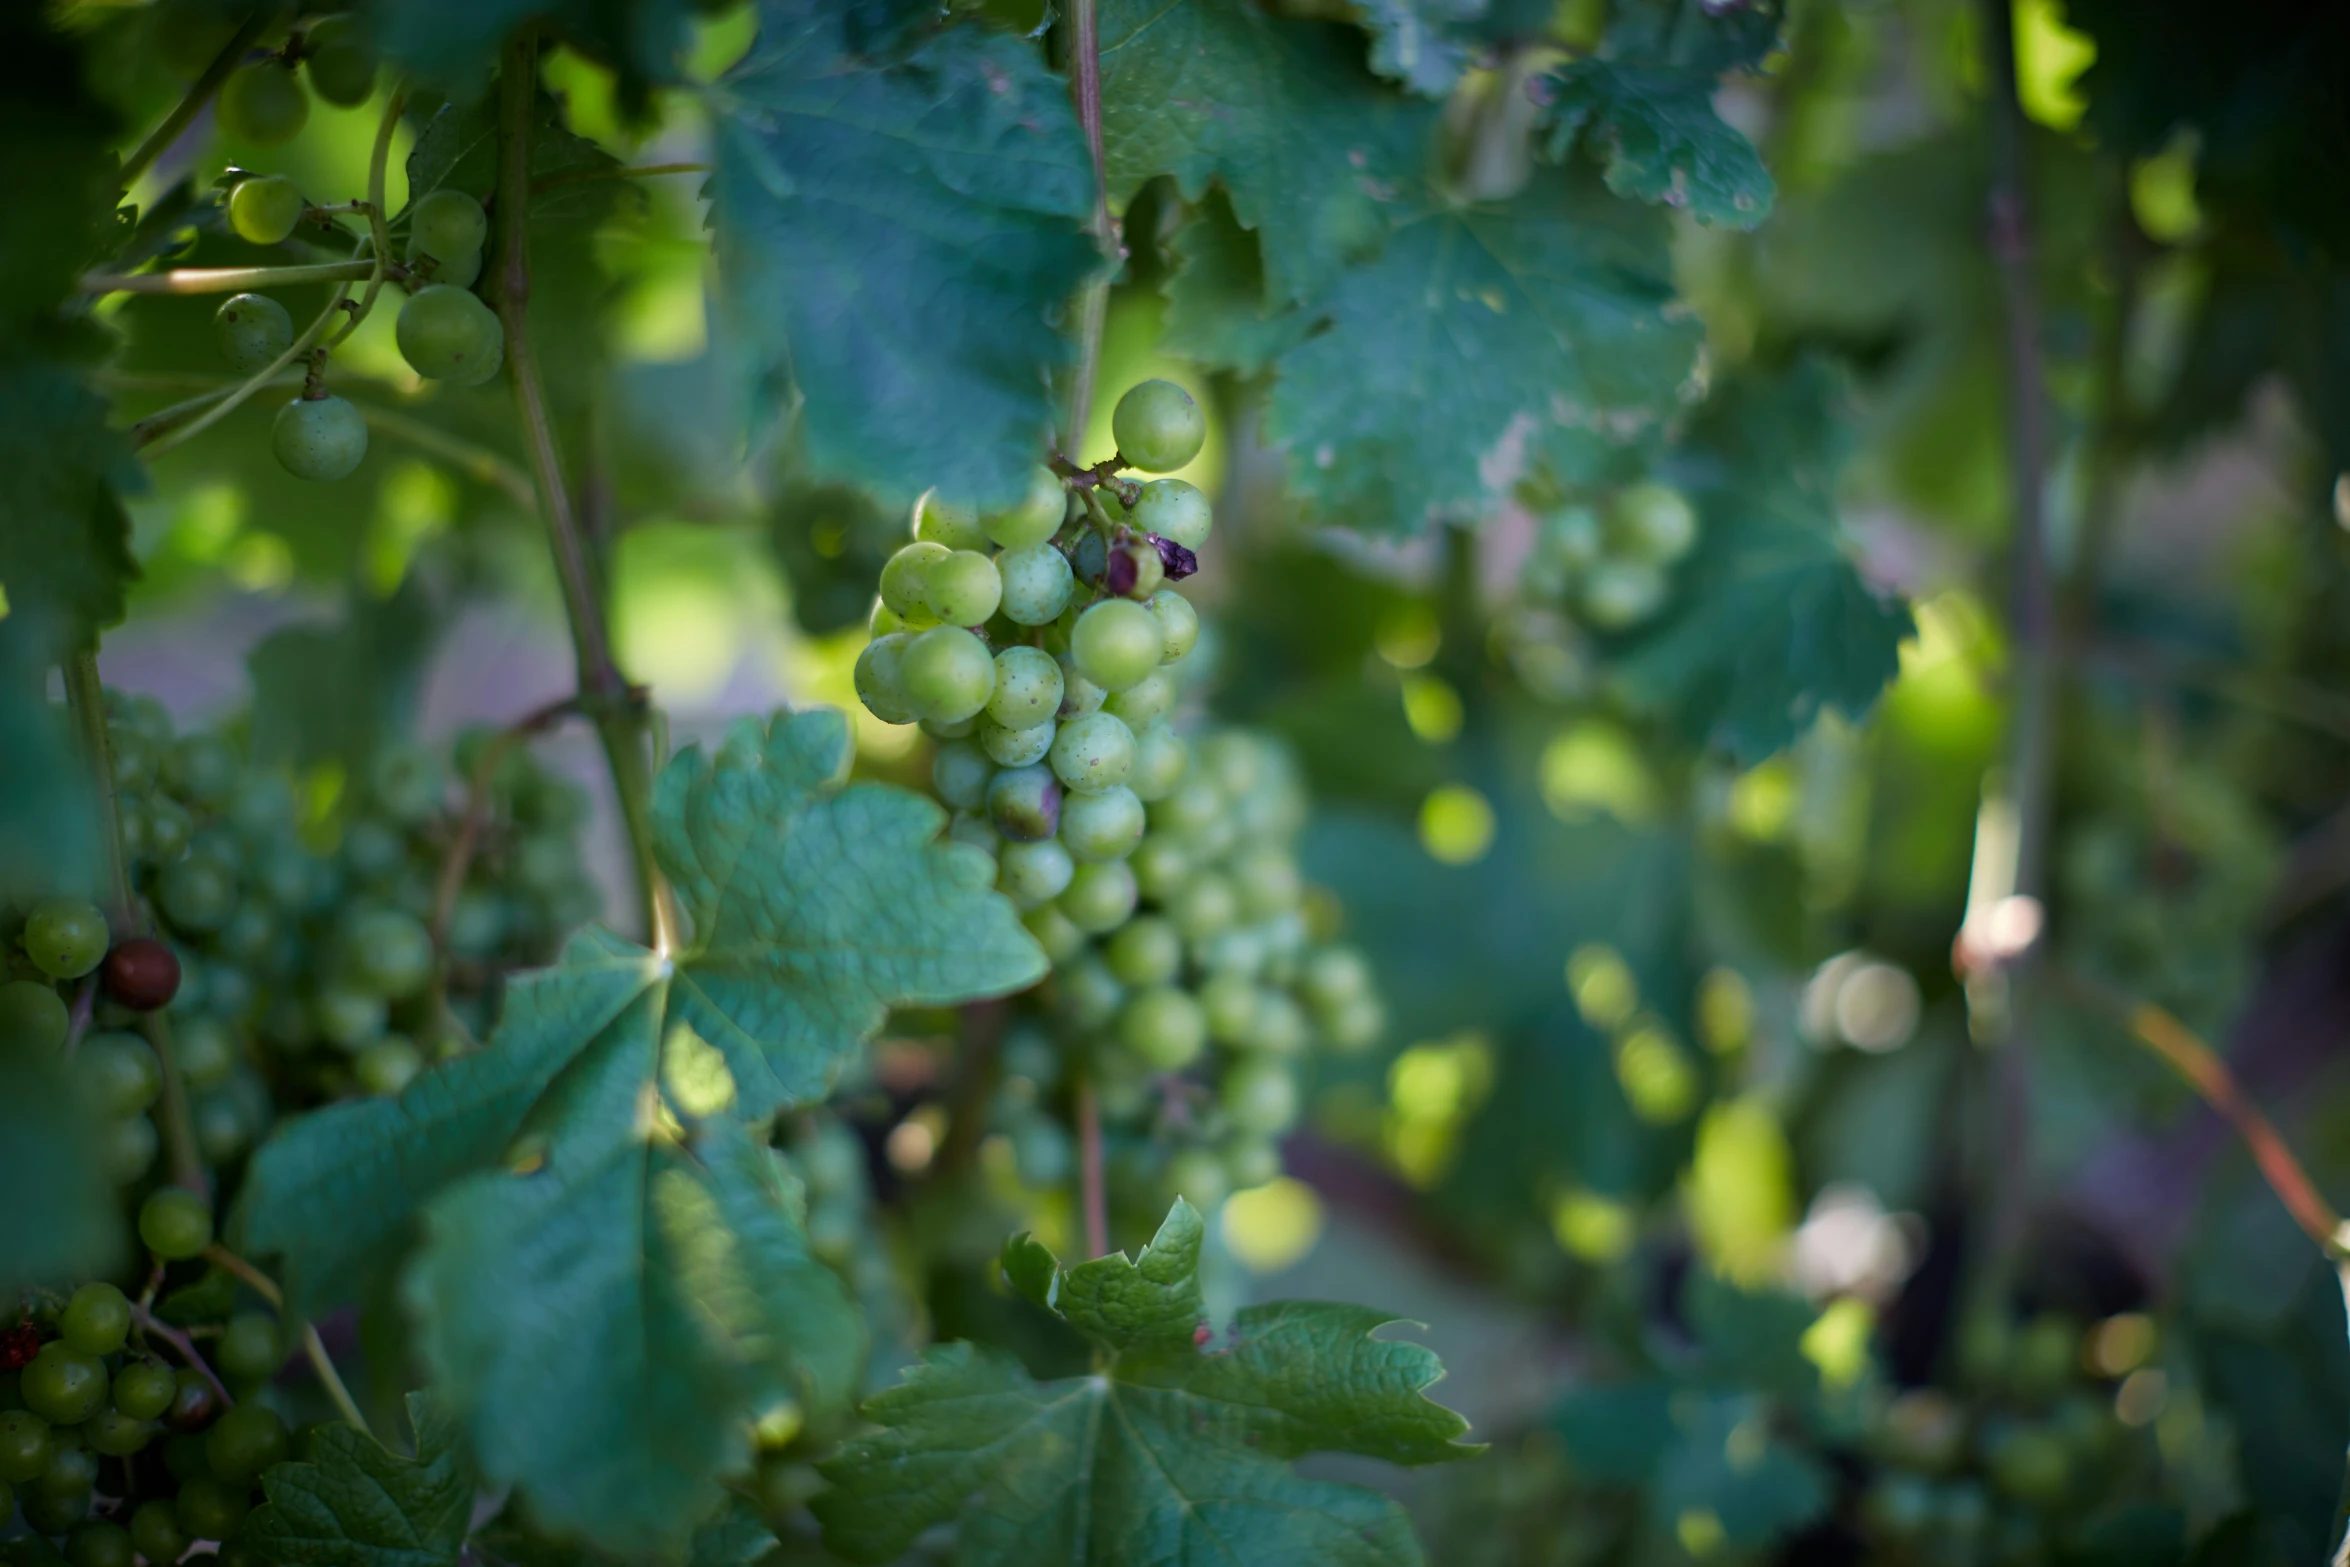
{"x":1116,"y":643}
{"x":1163,"y":1027}
{"x":389,"y":952}
{"x":486,"y":368}
{"x":448,"y":223}
{"x":1078,"y":694}
{"x":1175,"y":511}
{"x":1250,"y":1162}
{"x":1101,"y":827}
{"x":973,"y":828}
{"x":115,"y":1434}
{"x":1035,"y":517}
{"x":245,"y":1441}
{"x":1267,"y":882}
{"x":1146,"y":952}
{"x":26,"y":1446}
{"x":251,"y":330}
{"x":445,"y":332}
{"x":142,"y":1390}
{"x":169,"y":827}
{"x":129,"y":1150}
{"x":210,"y":1508}
{"x":1571,"y":541}
{"x":1206,"y":908}
{"x":880,"y":679}
{"x":1025,"y":803}
{"x":348,"y":1019}
{"x":1145,"y":702}
{"x":959,"y":775}
{"x":1015,"y":747}
{"x":156,"y":1533}
{"x":175,"y":1223}
{"x":62,"y":1385}
{"x":1160,"y":759}
{"x":340,"y":63}
{"x":1259,"y":1096}
{"x":1334,"y":977}
{"x":944,"y":522}
{"x":1033,"y":873}
{"x":57,"y":1512}
{"x":407,"y":782}
{"x":903,"y":576}
{"x":1135,"y":570}
{"x":1619,"y":593}
{"x":1229,"y":1001}
{"x":1093,"y":753}
{"x":1198,"y":1177}
{"x":948,"y":674}
{"x":265,"y":210}
{"x":1158,"y":427}
{"x":1178,"y":624}
{"x":462,"y":270}
{"x":1160,"y":866}
{"x":1100,"y":897}
{"x":65,"y":937}
{"x":319,"y":438}
{"x":206,"y":1051}
{"x":1061,"y":940}
{"x":100,"y":1544}
{"x":1086,"y":993}
{"x":248,"y":1349}
{"x":1279,"y":1027}
{"x":1652,"y":522}
{"x":96,"y":1319}
{"x":1037,"y":584}
{"x":263,"y":105}
{"x":963,"y":589}
{"x":198,"y":894}
{"x":1234,"y":761}
{"x":957,"y":729}
{"x":1027,"y":688}
{"x":201,"y":768}
{"x":33,"y":1017}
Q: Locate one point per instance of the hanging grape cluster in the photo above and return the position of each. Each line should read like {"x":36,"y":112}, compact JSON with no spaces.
{"x":1610,"y":565}
{"x":1047,"y":652}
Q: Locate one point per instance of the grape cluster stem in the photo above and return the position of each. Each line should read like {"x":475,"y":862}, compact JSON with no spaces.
{"x":156,"y":1328}
{"x":199,"y":93}
{"x":313,"y":1347}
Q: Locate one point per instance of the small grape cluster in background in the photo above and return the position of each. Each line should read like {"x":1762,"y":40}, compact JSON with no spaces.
{"x":1611,"y":565}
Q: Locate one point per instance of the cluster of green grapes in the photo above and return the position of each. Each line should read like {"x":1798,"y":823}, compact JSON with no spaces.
{"x":263,"y":103}
{"x":1156,"y":875}
{"x":1612,"y":565}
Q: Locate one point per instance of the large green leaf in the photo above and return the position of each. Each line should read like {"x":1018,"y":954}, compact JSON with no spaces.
{"x":1481,"y":339}
{"x":1420,"y":42}
{"x":1657,"y":138}
{"x":898,"y":233}
{"x":453,"y":44}
{"x":1177,"y":1451}
{"x":1216,"y":309}
{"x":65,"y":556}
{"x":57,"y":169}
{"x":353,"y":1503}
{"x":1315,"y":154}
{"x":1770,"y":622}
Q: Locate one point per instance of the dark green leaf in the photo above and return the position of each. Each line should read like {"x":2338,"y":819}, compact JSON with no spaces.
{"x":354,"y":1504}
{"x":1420,"y":43}
{"x":453,"y":44}
{"x":1216,"y":309}
{"x":1699,"y":36}
{"x":325,"y":693}
{"x":2286,"y":1386}
{"x":1656,"y":137}
{"x":899,"y":235}
{"x":60,"y":1222}
{"x":65,"y":557}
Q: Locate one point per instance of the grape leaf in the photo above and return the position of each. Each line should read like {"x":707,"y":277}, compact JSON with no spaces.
{"x":1216,"y":310}
{"x":60,"y":1222}
{"x":334,"y":691}
{"x":1698,"y":36}
{"x":1770,"y":623}
{"x":1417,"y":42}
{"x":1656,"y":137}
{"x":65,"y":556}
{"x":735,"y":1536}
{"x":898,"y":235}
{"x":1177,"y":1451}
{"x":1217,"y":90}
{"x":57,"y":169}
{"x":452,"y":44}
{"x":353,"y":1503}
{"x":1480,"y":339}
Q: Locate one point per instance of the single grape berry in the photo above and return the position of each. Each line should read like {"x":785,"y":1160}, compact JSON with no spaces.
{"x":1174,"y":510}
{"x":1146,"y":952}
{"x":118,"y":1074}
{"x":1259,"y":1096}
{"x":1100,"y":897}
{"x":248,"y":1350}
{"x":99,"y":1544}
{"x":389,"y":952}
{"x":142,"y":973}
{"x":245,"y":1441}
{"x":175,"y":1223}
{"x":1104,"y":826}
{"x":446,"y":333}
{"x":210,"y":1508}
{"x":1620,"y":592}
{"x":447,"y":224}
{"x":319,"y":438}
{"x":1116,"y":643}
{"x":193,"y":1403}
{"x":340,"y":61}
{"x":263,"y":105}
{"x":959,"y":775}
{"x":963,"y":589}
{"x":1093,"y":753}
{"x":96,"y":1319}
{"x":943,"y":522}
{"x":1035,"y":517}
{"x":1133,"y":570}
{"x":26,"y":1446}
{"x":1178,"y":623}
{"x":947,"y":673}
{"x":1652,"y":522}
{"x":388,"y":1065}
{"x":1024,"y":803}
{"x":1198,"y":1177}
{"x":1160,"y":757}
{"x":65,"y":937}
{"x":264,"y":210}
{"x":62,"y":1385}
{"x":1158,"y":427}
{"x":1033,"y":873}
{"x":459,"y":271}
{"x":1015,"y":747}
{"x":156,"y":1533}
{"x":116,"y":1434}
{"x":32,"y":1016}
{"x":1027,"y":688}
{"x":1037,"y":584}
{"x":1145,"y":702}
{"x":143,"y":1389}
{"x":880,"y":679}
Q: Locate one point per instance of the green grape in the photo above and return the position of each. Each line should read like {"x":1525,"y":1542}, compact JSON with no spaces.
{"x":1145,"y":702}
{"x":169,"y":827}
{"x":193,"y":1404}
{"x":1163,"y":1027}
{"x":25,"y":1446}
{"x":1206,"y":908}
{"x":198,"y":894}
{"x":1259,"y":1096}
{"x":342,"y":65}
{"x":248,"y":1350}
{"x":943,"y":522}
{"x":251,"y":330}
{"x":1087,"y":993}
{"x":349,"y":1019}
{"x":1078,"y":694}
{"x":1116,"y":644}
{"x":116,"y":1435}
{"x":99,"y":1544}
{"x":407,"y":781}
{"x":963,"y":589}
{"x":445,"y":332}
{"x":264,"y":210}
{"x":1175,"y":511}
{"x":1061,"y":940}
{"x":62,"y":1385}
{"x":1355,"y":1026}
{"x":245,"y":1441}
{"x":1159,"y":863}
{"x":130,"y":1148}
{"x":118,"y":1074}
{"x":72,"y":1469}
{"x":1233,"y":760}
{"x":1160,"y":759}
{"x":319,"y":438}
{"x":1103,"y":826}
{"x":202,"y":769}
{"x":206,"y":1050}
{"x":251,"y":935}
{"x":210,"y":1508}
{"x":1146,"y":952}
{"x":1279,"y":1027}
{"x":951,"y":729}
{"x":1198,"y":1177}
{"x":142,"y":1390}
{"x":65,"y":937}
{"x":948,"y":674}
{"x":1158,"y":427}
{"x":175,"y":1223}
{"x":1015,"y":747}
{"x":1334,"y":977}
{"x":1571,"y":541}
{"x":904,"y":577}
{"x":1033,"y":873}
{"x":96,"y":1319}
{"x":462,"y":270}
{"x":1035,"y":517}
{"x":1267,"y":883}
{"x":1619,"y":593}
{"x":959,"y":775}
{"x":1250,"y":1162}
{"x":388,"y":1065}
{"x":1100,"y":897}
{"x":1093,"y":753}
{"x":1027,"y":688}
{"x":448,"y":224}
{"x":1134,"y":569}
{"x":33,"y":1017}
{"x":56,"y":1512}
{"x":389,"y":952}
{"x":156,"y":1533}
{"x":973,"y":828}
{"x":878,"y":679}
{"x":1025,"y":803}
{"x":1037,"y":584}
{"x":2029,"y":1463}
{"x":263,"y":105}
{"x":1651,"y":522}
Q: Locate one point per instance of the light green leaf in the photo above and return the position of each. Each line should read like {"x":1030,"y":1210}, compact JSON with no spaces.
{"x":65,"y":556}
{"x":1656,"y":136}
{"x":1176,"y":1452}
{"x":355,"y":1504}
{"x":1314,"y":153}
{"x":899,"y":230}
{"x":1481,"y":339}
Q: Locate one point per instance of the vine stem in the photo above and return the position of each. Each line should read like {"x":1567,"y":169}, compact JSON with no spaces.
{"x":199,"y":93}
{"x":313,"y":1347}
{"x":603,"y":693}
{"x":223,"y":280}
{"x":237,"y":396}
{"x":379,"y":233}
{"x":1093,"y":1190}
{"x":1085,"y":78}
{"x":155,"y":1327}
